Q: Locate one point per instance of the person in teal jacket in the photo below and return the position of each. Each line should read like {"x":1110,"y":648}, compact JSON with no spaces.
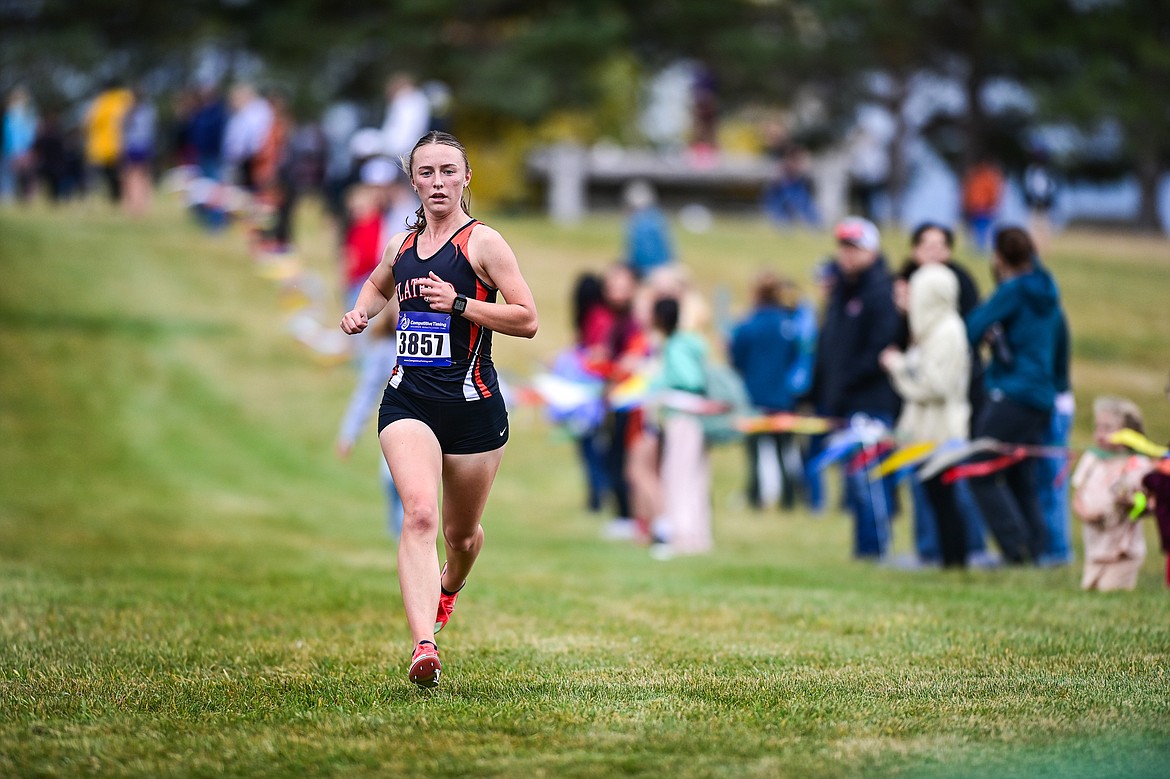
{"x":684,"y":471}
{"x":1025,"y":327}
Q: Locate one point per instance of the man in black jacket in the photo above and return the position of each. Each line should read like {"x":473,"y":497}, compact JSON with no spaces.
{"x":859,"y":321}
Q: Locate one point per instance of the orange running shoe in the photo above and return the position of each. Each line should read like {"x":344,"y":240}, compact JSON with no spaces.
{"x":425,"y":666}
{"x":446,"y":604}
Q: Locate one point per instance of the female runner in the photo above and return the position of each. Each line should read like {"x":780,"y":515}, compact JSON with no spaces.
{"x":442,"y":423}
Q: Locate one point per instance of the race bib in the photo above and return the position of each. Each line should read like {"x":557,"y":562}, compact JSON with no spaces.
{"x":424,"y":338}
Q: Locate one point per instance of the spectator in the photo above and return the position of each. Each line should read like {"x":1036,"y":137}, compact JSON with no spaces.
{"x":206,"y":132}
{"x":306,"y":158}
{"x":644,"y":439}
{"x":788,"y":196}
{"x":1157,"y":486}
{"x":848,"y":380}
{"x":589,"y":311}
{"x":685,"y":471}
{"x":440,"y":103}
{"x":1051,"y":489}
{"x":932,"y":377}
{"x":408,"y":116}
{"x":367,"y":165}
{"x":824,"y":278}
{"x":1051,"y":472}
{"x":625,"y":349}
{"x":672,"y":281}
{"x":982,"y":193}
{"x":363,"y":239}
{"x":377,"y":361}
{"x":139,"y":130}
{"x":74,"y":183}
{"x":772,"y":349}
{"x":273,"y":168}
{"x":1024,"y":325}
{"x":103,"y":135}
{"x":868,"y":171}
{"x":248,"y":128}
{"x":180,"y":151}
{"x":933,"y":244}
{"x":338,"y":125}
{"x":1105,"y":482}
{"x":400,"y":202}
{"x":704,"y":116}
{"x":18,"y":168}
{"x":52,"y":157}
{"x":648,"y":241}
{"x":397,"y":205}
{"x":1040,"y":190}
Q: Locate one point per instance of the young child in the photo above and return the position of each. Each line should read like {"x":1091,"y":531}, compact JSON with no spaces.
{"x":1106,"y":479}
{"x":684,"y":469}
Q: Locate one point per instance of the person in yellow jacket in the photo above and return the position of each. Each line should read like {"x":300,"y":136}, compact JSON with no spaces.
{"x":103,"y":134}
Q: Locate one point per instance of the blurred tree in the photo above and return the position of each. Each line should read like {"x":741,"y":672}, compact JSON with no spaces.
{"x":514,"y":63}
{"x":521,"y":61}
{"x":1110,"y":60}
{"x":64,"y":49}
{"x":862,"y":51}
{"x":749,"y":44}
{"x":859,"y":51}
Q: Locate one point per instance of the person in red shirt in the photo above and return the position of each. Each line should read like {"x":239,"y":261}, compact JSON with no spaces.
{"x":363,"y":239}
{"x":982,"y":193}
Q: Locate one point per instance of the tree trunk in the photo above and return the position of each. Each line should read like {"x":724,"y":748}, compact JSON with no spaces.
{"x":1149,"y":174}
{"x":972,"y":14}
{"x":899,"y":167}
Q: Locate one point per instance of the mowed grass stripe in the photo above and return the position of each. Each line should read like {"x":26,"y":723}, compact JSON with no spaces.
{"x":192,"y":584}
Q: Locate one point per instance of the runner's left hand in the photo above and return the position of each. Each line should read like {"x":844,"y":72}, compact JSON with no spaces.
{"x":438,"y":293}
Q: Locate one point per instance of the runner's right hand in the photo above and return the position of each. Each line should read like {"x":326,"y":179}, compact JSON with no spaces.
{"x":354,"y":322}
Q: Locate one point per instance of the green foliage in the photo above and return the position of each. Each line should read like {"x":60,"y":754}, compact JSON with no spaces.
{"x":1107,"y":63}
{"x":518,"y":64}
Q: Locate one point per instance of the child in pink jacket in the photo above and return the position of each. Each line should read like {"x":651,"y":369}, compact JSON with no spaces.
{"x":1106,"y":479}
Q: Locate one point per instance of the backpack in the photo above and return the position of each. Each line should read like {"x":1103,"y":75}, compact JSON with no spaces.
{"x":724,"y":386}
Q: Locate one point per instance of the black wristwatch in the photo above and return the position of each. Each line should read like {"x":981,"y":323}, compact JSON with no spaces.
{"x":460,"y":305}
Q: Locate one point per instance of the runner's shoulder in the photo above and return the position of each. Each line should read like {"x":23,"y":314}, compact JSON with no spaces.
{"x":394,"y":245}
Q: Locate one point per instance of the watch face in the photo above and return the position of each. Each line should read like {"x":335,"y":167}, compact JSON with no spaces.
{"x":460,"y":304}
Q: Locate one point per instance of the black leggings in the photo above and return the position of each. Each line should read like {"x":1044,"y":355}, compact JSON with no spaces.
{"x":1007,"y":498}
{"x":952,"y":527}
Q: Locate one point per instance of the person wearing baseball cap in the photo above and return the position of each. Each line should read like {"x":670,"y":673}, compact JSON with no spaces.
{"x":858,"y":232}
{"x":860,"y":321}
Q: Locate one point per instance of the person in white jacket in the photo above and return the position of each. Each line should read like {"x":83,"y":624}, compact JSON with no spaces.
{"x":932,"y":378}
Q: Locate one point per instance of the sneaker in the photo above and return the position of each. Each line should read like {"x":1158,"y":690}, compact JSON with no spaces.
{"x":661,"y":551}
{"x":425,"y":666}
{"x":446,"y":606}
{"x":984,"y":559}
{"x":620,"y":529}
{"x":1047,"y":560}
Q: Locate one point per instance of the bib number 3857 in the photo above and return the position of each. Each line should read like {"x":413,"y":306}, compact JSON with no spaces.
{"x":424,"y":338}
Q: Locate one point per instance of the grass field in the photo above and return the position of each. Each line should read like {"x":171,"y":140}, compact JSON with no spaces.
{"x":191,"y":583}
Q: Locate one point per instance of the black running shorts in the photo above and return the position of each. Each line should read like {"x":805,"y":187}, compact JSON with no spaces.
{"x":462,"y":427}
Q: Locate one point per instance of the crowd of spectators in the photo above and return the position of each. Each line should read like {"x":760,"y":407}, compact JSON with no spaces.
{"x":890,"y":356}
